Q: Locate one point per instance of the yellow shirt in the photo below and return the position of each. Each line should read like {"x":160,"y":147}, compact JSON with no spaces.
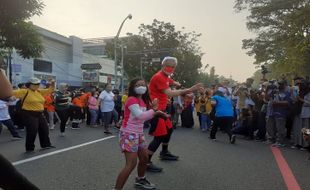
{"x":206,"y":103}
{"x":34,"y":100}
{"x":124,"y":99}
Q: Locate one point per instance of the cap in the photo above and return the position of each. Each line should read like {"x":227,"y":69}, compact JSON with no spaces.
{"x":34,"y":80}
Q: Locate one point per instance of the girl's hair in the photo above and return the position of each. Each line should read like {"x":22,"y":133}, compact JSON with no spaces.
{"x":131,"y":92}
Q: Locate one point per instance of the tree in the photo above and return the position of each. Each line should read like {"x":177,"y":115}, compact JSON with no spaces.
{"x":282,"y":28}
{"x":15,"y":32}
{"x":158,"y":40}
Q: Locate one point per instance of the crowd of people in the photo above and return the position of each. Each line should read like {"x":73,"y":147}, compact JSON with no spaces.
{"x":276,"y":113}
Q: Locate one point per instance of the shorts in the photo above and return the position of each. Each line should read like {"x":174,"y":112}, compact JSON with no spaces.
{"x":131,"y":142}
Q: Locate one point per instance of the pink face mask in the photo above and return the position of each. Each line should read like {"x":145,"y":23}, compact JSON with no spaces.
{"x":169,"y":70}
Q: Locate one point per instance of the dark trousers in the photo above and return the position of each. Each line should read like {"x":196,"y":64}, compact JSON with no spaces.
{"x":10,"y":125}
{"x":187,"y":117}
{"x":11,"y":179}
{"x":88,"y":116}
{"x":224,"y":123}
{"x":261,"y":134}
{"x":35,"y":123}
{"x":63,"y":116}
{"x":106,"y":118}
{"x":155,"y":143}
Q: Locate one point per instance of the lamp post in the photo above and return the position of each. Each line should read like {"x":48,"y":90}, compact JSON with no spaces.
{"x":115,"y":47}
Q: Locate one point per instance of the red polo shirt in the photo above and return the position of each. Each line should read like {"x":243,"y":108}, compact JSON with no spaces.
{"x":160,"y":82}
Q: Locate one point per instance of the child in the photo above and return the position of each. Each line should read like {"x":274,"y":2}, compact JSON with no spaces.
{"x":5,"y":119}
{"x":131,"y":136}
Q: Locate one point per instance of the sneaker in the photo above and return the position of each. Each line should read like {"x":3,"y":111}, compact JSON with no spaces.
{"x":52,"y":127}
{"x":62,"y":134}
{"x":144,"y":183}
{"x":153,"y":168}
{"x":233,"y":139}
{"x":278,"y":145}
{"x":48,"y":147}
{"x":294,"y":147}
{"x":214,"y":139}
{"x":16,"y":138}
{"x":302,"y":149}
{"x":168,"y":156}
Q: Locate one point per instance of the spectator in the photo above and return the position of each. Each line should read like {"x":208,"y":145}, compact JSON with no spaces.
{"x":93,"y":108}
{"x":106,"y":102}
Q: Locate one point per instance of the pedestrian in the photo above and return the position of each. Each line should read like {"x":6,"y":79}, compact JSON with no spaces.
{"x":161,"y":128}
{"x":93,"y":108}
{"x":187,"y":112}
{"x":5,"y":119}
{"x":205,"y":109}
{"x":49,"y":109}
{"x":62,"y":106}
{"x":106,"y":102}
{"x":32,"y":111}
{"x":279,"y":105}
{"x":77,"y":111}
{"x":224,"y":115}
{"x":131,"y":137}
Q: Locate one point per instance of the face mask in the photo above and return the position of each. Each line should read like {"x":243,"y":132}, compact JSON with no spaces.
{"x":140,"y":90}
{"x":169,"y":70}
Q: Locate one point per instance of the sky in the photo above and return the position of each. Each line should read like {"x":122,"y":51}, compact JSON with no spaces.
{"x":221,"y":27}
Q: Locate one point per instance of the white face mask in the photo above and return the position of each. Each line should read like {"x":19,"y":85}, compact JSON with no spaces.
{"x":140,"y":90}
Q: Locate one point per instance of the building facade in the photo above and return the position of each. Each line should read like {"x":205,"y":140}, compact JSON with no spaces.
{"x":61,"y":60}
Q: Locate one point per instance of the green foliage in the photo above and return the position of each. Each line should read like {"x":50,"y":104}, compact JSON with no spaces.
{"x":282,"y":29}
{"x":158,"y":40}
{"x":15,"y":32}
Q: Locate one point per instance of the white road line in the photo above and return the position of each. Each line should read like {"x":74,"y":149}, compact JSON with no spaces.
{"x":59,"y":151}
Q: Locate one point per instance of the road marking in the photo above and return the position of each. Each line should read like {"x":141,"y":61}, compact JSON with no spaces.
{"x":59,"y":151}
{"x":286,"y":171}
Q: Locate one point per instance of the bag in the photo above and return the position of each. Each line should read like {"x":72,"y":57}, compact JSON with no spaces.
{"x":20,"y":103}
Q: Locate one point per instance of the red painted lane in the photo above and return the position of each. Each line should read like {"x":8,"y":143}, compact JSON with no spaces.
{"x":286,"y":171}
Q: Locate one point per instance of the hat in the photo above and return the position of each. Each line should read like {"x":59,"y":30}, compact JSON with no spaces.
{"x":221,"y":89}
{"x":34,"y":80}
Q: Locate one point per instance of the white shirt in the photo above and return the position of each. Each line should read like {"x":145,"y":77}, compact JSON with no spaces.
{"x":107,"y":101}
{"x":4,"y":111}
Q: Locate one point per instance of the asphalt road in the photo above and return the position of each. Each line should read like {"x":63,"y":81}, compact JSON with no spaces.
{"x":203,"y":164}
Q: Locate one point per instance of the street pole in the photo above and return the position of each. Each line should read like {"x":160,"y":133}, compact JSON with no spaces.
{"x":115,"y":48}
{"x":122,"y":70}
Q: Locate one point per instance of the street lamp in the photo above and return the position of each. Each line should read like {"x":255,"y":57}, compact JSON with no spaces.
{"x":115,"y":47}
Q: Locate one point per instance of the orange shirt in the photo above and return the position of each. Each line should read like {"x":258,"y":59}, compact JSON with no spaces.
{"x":84,"y":98}
{"x":49,"y":103}
{"x":77,"y":102}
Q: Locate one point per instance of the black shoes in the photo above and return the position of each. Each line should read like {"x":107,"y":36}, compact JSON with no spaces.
{"x":48,"y":147}
{"x":168,"y":156}
{"x":233,"y":139}
{"x":153,"y":168}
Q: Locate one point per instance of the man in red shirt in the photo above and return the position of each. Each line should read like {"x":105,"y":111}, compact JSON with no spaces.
{"x":161,"y":128}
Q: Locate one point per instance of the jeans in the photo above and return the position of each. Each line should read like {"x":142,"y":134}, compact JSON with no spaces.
{"x":93,"y":116}
{"x":205,"y":121}
{"x":9,"y":124}
{"x":51,"y":118}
